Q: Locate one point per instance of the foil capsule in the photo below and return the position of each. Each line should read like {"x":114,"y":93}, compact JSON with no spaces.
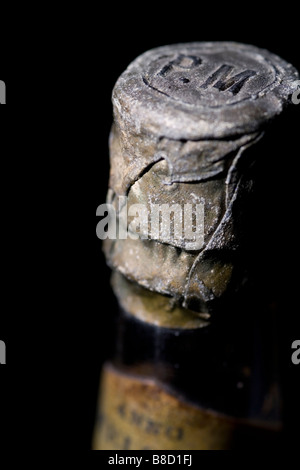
{"x":185,"y":119}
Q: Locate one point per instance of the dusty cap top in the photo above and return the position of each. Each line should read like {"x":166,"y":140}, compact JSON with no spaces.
{"x":203,"y":90}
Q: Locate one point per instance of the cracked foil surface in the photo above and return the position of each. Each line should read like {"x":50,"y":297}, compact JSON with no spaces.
{"x":185,"y":119}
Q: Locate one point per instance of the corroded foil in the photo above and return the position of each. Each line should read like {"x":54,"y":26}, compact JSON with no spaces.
{"x":184,"y":118}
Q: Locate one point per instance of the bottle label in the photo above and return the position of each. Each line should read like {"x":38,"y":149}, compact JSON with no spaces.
{"x":138,"y":414}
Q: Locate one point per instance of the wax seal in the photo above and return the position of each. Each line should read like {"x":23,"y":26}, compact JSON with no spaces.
{"x":186,"y":117}
{"x":204,"y":90}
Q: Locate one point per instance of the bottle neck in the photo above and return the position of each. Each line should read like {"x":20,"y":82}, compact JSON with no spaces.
{"x":227,"y":366}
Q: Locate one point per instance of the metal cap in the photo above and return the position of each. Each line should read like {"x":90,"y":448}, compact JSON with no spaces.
{"x":203,"y":90}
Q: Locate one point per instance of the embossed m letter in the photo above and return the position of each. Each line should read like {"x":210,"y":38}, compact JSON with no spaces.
{"x":222,"y":81}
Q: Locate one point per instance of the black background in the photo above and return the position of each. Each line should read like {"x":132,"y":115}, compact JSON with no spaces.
{"x":72,"y":331}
